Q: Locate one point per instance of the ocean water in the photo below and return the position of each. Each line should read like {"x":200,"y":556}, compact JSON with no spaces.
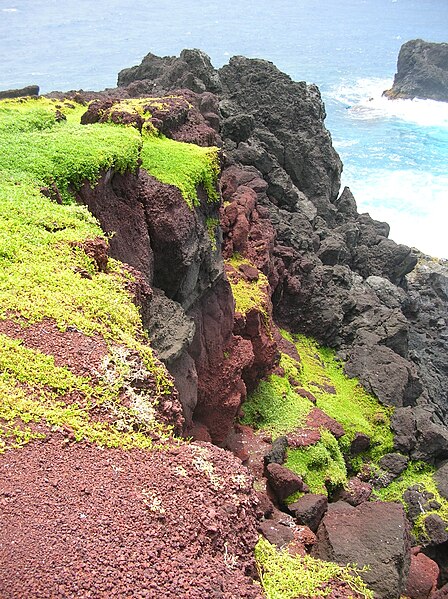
{"x":395,"y":154}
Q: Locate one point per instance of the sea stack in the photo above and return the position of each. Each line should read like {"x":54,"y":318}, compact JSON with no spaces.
{"x":422,"y":72}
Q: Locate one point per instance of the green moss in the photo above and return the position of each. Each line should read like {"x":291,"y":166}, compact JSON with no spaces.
{"x":321,"y":466}
{"x":248,"y":294}
{"x":274,"y":406}
{"x":421,"y":475}
{"x":212,"y":225}
{"x":44,"y":152}
{"x":182,"y":164}
{"x":357,"y":410}
{"x":284,"y":576}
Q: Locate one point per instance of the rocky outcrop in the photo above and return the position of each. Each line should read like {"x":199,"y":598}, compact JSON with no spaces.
{"x":422,"y":72}
{"x":30,"y":90}
{"x":333,"y":273}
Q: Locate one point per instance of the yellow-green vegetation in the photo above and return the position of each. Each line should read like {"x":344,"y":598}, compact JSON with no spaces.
{"x":46,"y":274}
{"x":284,"y":576}
{"x":248,"y":294}
{"x":274,"y":406}
{"x":40,"y":150}
{"x":277,"y":408}
{"x":422,"y":475}
{"x":357,"y":410}
{"x":182,"y":164}
{"x":321,"y":465}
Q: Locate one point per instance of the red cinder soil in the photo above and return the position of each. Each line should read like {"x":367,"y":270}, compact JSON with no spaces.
{"x":92,"y":523}
{"x":78,"y":352}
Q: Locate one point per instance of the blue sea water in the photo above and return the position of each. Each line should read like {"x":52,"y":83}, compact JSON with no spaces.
{"x":395,"y":154}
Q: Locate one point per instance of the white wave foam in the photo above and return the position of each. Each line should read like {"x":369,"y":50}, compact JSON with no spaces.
{"x":9,"y":9}
{"x":414,"y":203}
{"x":364,"y":101}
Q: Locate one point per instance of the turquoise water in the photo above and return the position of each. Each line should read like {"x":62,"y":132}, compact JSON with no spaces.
{"x":395,"y":154}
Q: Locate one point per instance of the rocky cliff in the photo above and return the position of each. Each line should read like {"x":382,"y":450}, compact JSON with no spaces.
{"x":220,"y":203}
{"x":422,"y":72}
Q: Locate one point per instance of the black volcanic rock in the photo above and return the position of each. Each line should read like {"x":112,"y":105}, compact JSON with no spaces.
{"x":422,"y":72}
{"x":30,"y":90}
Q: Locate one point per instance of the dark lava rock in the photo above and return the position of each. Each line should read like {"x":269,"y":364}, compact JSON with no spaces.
{"x":422,"y":72}
{"x":30,"y":90}
{"x":436,"y":530}
{"x":427,"y":314}
{"x":309,"y":510}
{"x":441,"y":478}
{"x":360,"y":443}
{"x":395,"y":463}
{"x":283,"y":481}
{"x":355,"y":536}
{"x":419,"y":501}
{"x":277,"y":453}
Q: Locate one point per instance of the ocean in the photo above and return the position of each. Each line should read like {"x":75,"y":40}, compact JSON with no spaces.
{"x":395,"y":153}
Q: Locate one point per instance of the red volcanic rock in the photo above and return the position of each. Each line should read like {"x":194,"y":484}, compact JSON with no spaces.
{"x":441,"y":593}
{"x":422,"y":579}
{"x":355,"y":492}
{"x":283,"y":481}
{"x":303,"y":437}
{"x":249,"y":272}
{"x":246,"y":226}
{"x":220,"y":358}
{"x":114,"y":202}
{"x":318,"y":419}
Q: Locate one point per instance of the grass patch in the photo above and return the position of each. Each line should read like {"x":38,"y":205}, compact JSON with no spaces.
{"x":274,"y":406}
{"x":184,"y":165}
{"x":41,"y":270}
{"x":284,"y":576}
{"x":422,"y":475}
{"x":321,"y":466}
{"x":357,"y":410}
{"x":42,"y":151}
{"x":248,"y":294}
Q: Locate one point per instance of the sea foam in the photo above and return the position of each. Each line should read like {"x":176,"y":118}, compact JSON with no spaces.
{"x":364,"y":101}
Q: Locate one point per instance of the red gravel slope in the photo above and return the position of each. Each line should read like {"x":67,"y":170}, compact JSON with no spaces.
{"x":85,"y":522}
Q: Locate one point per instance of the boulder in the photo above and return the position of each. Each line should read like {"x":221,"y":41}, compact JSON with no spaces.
{"x":441,"y":479}
{"x":309,"y":510}
{"x":283,"y":481}
{"x":276,"y":533}
{"x":394,"y":463}
{"x":374,"y":535}
{"x":436,"y":530}
{"x":422,"y":579}
{"x":422,"y":72}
